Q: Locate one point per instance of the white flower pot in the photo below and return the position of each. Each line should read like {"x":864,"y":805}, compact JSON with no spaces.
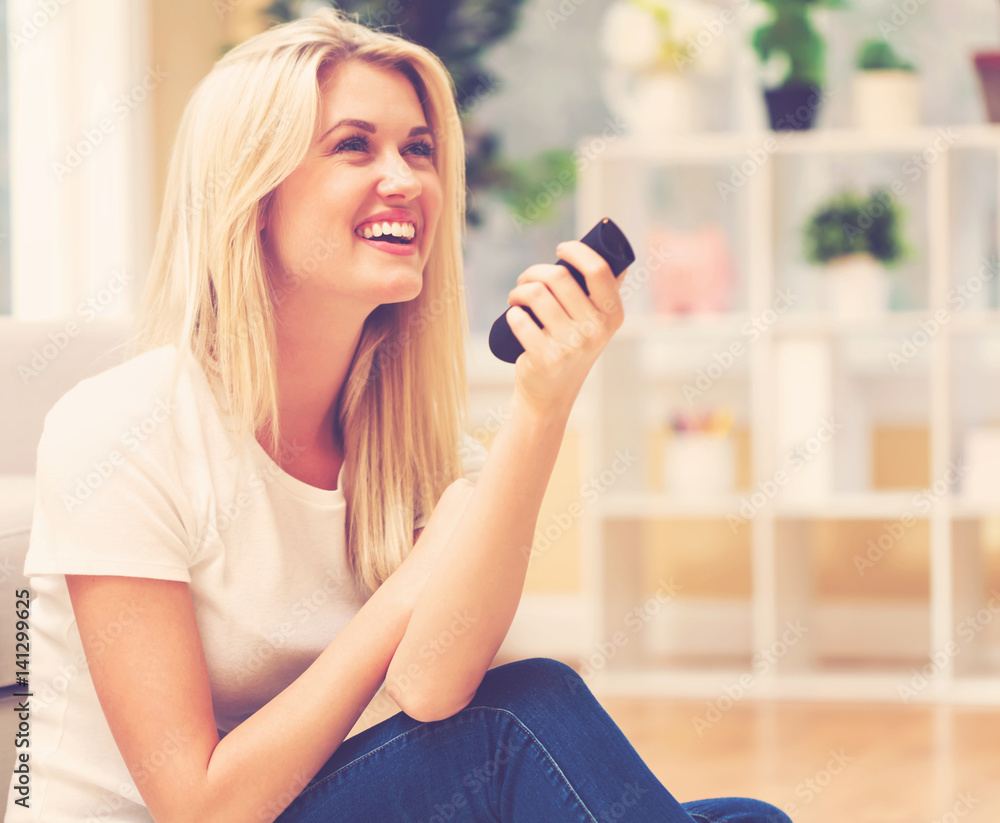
{"x":857,"y":287}
{"x":661,"y":103}
{"x":699,"y":465}
{"x":886,"y":99}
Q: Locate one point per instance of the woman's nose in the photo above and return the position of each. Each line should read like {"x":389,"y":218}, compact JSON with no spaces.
{"x":398,"y":178}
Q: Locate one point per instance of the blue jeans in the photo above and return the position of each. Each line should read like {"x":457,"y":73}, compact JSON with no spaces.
{"x":533,"y":746}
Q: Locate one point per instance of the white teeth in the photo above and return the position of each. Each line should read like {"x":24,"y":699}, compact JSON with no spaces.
{"x":407,"y":230}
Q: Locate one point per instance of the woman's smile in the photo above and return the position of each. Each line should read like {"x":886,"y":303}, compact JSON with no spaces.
{"x":393,"y":231}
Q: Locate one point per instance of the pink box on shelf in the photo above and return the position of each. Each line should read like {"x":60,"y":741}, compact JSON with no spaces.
{"x":697,"y":270}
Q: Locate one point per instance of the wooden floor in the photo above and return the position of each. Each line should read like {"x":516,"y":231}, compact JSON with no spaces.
{"x":826,"y":763}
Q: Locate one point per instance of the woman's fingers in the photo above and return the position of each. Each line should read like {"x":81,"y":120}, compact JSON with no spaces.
{"x":537,"y":295}
{"x":570,"y":316}
{"x":601,"y":283}
{"x":563,"y":287}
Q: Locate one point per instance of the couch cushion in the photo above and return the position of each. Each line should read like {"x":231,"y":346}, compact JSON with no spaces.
{"x":41,"y":360}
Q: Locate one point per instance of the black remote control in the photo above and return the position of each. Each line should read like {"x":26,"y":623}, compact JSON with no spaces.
{"x":609,"y":242}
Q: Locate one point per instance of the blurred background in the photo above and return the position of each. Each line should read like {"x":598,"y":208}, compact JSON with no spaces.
{"x":771,"y":542}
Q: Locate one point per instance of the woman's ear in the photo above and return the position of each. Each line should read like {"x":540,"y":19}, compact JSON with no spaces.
{"x":263,"y":208}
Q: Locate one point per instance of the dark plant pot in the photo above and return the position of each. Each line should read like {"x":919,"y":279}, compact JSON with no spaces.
{"x":793,"y":107}
{"x":988,"y":68}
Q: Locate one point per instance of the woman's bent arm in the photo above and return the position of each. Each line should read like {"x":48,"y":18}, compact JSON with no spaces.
{"x":464,"y":612}
{"x":153,"y":685}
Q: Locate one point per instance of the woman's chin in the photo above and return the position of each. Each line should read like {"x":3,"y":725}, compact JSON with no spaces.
{"x":405,"y":286}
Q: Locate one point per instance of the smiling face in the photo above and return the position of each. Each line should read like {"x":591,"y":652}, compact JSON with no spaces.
{"x":369,"y":174}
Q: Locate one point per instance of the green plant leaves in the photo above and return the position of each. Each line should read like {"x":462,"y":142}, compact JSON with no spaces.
{"x":852,"y":223}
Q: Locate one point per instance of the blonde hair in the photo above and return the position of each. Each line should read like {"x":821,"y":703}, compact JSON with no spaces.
{"x":246,"y":127}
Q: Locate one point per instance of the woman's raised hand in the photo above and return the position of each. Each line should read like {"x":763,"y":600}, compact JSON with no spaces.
{"x":550,"y":372}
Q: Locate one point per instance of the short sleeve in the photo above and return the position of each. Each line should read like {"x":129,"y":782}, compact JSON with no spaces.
{"x":108,"y":500}
{"x":473,"y":455}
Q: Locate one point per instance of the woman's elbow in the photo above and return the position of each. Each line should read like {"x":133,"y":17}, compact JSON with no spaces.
{"x":427,"y":705}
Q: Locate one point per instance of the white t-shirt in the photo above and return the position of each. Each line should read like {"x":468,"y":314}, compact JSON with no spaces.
{"x":120,"y":493}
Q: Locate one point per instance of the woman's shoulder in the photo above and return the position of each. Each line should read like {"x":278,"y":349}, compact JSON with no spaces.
{"x":122,"y":401}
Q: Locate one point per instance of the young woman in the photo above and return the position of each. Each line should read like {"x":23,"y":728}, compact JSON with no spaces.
{"x":229,"y":554}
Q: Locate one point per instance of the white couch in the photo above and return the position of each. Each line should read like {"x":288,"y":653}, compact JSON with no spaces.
{"x":39,"y":362}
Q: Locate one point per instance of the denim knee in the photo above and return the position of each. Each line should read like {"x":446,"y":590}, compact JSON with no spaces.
{"x":758,"y":811}
{"x":533,"y":678}
{"x":735,"y":810}
{"x":548,"y":674}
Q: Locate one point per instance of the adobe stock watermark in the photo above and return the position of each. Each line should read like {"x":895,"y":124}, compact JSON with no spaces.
{"x":169,"y":747}
{"x":638,"y":275}
{"x":723,"y":361}
{"x":620,"y":807}
{"x":759,"y":156}
{"x":761,"y":663}
{"x":301,"y":612}
{"x":928,"y":328}
{"x":228,"y":512}
{"x":712,"y":28}
{"x":132,"y":439}
{"x":221,"y":178}
{"x":87,"y":310}
{"x":415,"y":324}
{"x":32,"y":26}
{"x":98,"y":642}
{"x":429,"y":652}
{"x":914,"y":168}
{"x":923,"y":502}
{"x":291,"y":278}
{"x":635,"y":619}
{"x":223,"y":8}
{"x":475,"y":781}
{"x":812,"y":787}
{"x":275,"y":806}
{"x":967,"y":631}
{"x":532,"y":209}
{"x":122,"y":107}
{"x":437,"y":646}
{"x":562,"y":12}
{"x":899,"y":16}
{"x":797,"y":458}
{"x":591,"y":491}
{"x":963,"y":805}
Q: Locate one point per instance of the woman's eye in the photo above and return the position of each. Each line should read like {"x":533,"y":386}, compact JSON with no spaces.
{"x":423,"y":149}
{"x":355,"y":143}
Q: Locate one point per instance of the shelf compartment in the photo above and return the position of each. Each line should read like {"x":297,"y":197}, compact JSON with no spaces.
{"x":803,"y":182}
{"x":861,"y":589}
{"x":976,"y":607}
{"x":972,"y":230}
{"x":973,"y":441}
{"x":829,"y":409}
{"x":675,"y":590}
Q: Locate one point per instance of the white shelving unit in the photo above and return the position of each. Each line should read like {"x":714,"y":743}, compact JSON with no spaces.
{"x":854,"y":646}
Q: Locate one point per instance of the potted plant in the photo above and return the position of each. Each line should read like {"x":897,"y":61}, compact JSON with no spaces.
{"x":652,"y":59}
{"x":987,"y":65}
{"x":793,"y":101}
{"x":886,"y":88}
{"x":856,"y":238}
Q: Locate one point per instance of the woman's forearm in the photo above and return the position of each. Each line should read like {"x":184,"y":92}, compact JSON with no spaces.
{"x":299,"y":729}
{"x":463,"y":613}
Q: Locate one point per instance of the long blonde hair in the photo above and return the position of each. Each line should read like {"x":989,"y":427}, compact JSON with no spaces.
{"x":246,"y":127}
